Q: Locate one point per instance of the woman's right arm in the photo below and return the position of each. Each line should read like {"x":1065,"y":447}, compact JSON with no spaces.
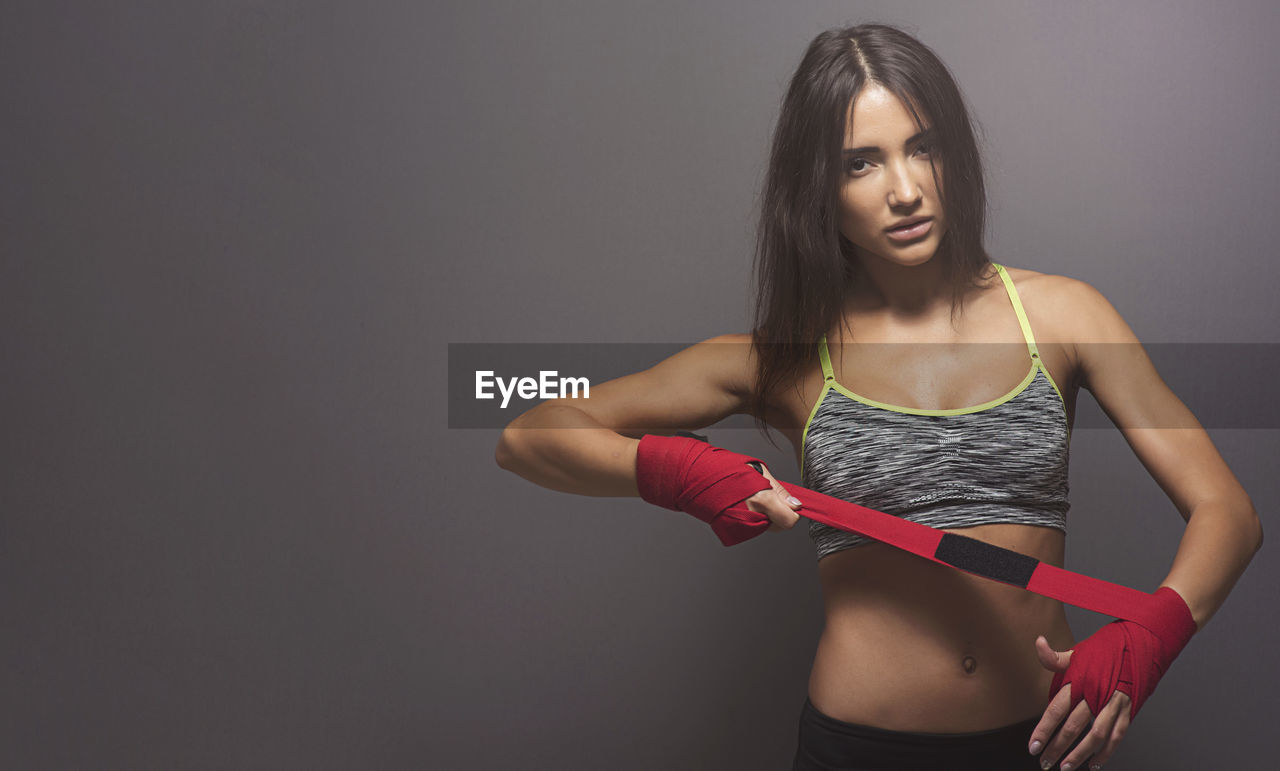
{"x":588,"y":446}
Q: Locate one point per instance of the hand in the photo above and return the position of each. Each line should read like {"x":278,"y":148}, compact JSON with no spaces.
{"x":712,"y":484}
{"x":777,"y":504}
{"x":1100,"y":741}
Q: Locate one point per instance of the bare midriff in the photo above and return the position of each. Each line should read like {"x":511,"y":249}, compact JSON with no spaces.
{"x":912,"y":645}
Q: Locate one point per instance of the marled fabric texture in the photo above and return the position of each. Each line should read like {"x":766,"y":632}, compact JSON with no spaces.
{"x":1005,"y":464}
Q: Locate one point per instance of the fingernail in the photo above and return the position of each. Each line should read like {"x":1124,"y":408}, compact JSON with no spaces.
{"x":1044,"y":764}
{"x":1067,"y":767}
{"x":1095,"y":767}
{"x":794,"y":501}
{"x":1035,"y":746}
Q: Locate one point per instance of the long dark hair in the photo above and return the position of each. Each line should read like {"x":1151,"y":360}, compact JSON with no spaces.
{"x":804,"y":266}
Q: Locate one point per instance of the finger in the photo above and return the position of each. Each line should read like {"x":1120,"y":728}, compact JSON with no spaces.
{"x":1076,"y":724}
{"x":773,"y":504}
{"x":763,"y":470}
{"x":781,"y":509}
{"x":1118,"y":731}
{"x":1049,"y":658}
{"x":1099,"y":735}
{"x":1054,"y":714}
{"x":791,"y":501}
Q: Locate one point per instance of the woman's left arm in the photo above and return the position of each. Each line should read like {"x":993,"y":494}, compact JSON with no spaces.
{"x":1223,"y":529}
{"x":1223,"y":533}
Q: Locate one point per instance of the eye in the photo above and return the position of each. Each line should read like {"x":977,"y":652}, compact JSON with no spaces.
{"x":848,"y":165}
{"x":922,"y":149}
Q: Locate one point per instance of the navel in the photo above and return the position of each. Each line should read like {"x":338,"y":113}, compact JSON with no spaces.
{"x":970,"y":664}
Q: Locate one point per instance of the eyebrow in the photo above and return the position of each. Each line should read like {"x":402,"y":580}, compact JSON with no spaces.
{"x":873,"y":149}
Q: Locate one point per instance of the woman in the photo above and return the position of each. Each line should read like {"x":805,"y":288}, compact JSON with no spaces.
{"x":870,"y":245}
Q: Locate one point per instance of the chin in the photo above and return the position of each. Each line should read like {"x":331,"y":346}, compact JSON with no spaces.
{"x":911,"y":256}
{"x":916,"y":254}
{"x":910,"y":260}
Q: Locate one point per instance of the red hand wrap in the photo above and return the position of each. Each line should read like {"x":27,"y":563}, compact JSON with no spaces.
{"x":1127,"y":656}
{"x":684,"y":474}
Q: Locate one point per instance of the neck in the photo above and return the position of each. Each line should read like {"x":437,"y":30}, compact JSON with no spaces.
{"x":901,"y":290}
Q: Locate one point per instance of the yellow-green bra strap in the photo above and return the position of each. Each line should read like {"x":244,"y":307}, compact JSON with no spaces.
{"x":1017,"y":308}
{"x":826,"y":359}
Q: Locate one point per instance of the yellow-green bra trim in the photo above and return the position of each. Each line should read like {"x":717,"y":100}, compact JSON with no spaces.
{"x":831,"y":383}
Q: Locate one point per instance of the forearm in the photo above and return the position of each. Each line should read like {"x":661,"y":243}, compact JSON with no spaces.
{"x":1220,"y":539}
{"x":563,"y":448}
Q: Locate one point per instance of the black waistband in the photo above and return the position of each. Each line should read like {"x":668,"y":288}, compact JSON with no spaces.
{"x":1020,"y":730}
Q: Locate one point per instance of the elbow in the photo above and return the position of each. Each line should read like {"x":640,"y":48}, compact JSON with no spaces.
{"x":505,"y":453}
{"x":513,"y":452}
{"x":1257,"y":524}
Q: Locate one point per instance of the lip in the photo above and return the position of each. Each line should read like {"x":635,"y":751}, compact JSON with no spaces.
{"x":918,"y":226}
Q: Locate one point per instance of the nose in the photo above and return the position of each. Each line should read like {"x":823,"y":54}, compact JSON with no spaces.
{"x":903,"y":188}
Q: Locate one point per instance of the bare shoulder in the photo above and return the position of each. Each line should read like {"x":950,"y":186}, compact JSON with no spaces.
{"x":1069,"y":316}
{"x":1068,"y":310}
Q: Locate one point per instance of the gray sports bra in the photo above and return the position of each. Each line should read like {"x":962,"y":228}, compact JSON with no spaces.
{"x":1004,"y":461}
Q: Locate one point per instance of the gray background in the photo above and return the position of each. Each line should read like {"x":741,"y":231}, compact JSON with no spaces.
{"x":238,"y":237}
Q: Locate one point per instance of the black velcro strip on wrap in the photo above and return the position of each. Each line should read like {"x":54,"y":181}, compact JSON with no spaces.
{"x":986,"y":560}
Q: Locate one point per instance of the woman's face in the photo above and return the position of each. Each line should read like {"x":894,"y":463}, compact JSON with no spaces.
{"x":887,"y":179}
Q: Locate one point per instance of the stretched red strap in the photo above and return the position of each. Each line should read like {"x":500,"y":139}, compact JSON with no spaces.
{"x":972,"y":556}
{"x":711,"y":483}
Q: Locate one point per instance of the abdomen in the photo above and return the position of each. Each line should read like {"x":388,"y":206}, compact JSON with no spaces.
{"x":911,"y":645}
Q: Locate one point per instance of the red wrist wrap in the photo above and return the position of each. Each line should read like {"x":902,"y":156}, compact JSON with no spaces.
{"x":1128,"y":656}
{"x":683,"y":474}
